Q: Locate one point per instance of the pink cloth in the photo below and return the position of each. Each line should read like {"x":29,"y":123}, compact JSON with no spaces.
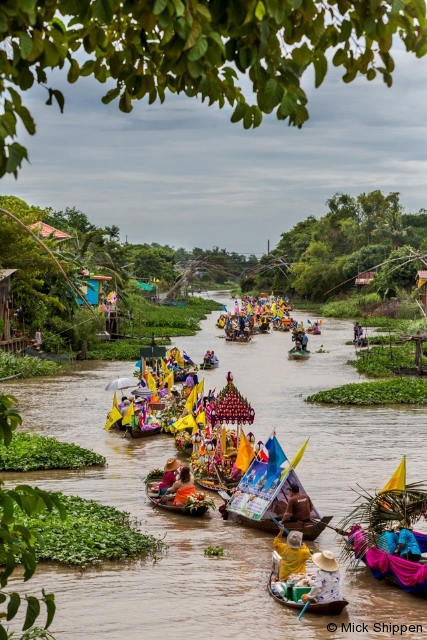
{"x":168,"y":480}
{"x":409,"y":573}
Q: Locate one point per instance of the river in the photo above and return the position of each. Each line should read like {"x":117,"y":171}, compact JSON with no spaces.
{"x":186,"y":595}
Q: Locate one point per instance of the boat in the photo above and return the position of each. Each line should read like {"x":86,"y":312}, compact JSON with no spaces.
{"x":298,"y":354}
{"x":320,"y":609}
{"x":209,"y":365}
{"x":242,"y":339}
{"x":142,"y":433}
{"x":262,"y":489}
{"x":212,"y":484}
{"x":316,"y":333}
{"x":310,"y":531}
{"x":153,"y":497}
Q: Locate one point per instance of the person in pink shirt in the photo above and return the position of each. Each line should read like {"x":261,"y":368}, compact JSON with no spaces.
{"x":171,"y":467}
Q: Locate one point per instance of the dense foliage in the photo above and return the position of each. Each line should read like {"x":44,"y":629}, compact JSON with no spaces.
{"x":91,"y":533}
{"x":385,"y":361}
{"x":320,"y":257}
{"x":396,"y":391}
{"x":27,"y":366}
{"x":29,"y":452}
{"x":144,"y":48}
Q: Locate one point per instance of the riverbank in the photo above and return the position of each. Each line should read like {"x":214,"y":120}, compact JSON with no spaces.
{"x":386,"y":361}
{"x":26,"y":367}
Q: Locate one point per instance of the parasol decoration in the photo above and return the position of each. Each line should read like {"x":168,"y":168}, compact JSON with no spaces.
{"x":120,"y":383}
{"x":230,"y":406}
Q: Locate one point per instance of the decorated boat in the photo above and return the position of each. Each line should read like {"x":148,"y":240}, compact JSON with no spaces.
{"x":195,"y":509}
{"x":298,"y":354}
{"x":377,"y":522}
{"x":266,"y":487}
{"x":243,"y":339}
{"x":148,"y":430}
{"x":288,"y":596}
{"x":213,"y":484}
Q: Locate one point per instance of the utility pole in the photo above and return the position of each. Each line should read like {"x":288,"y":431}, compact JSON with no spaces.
{"x":268,"y":247}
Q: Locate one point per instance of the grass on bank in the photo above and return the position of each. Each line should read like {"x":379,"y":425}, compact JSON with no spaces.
{"x":120,"y":350}
{"x":31,"y":452}
{"x":396,"y":391}
{"x":12,"y":364}
{"x":91,"y":533}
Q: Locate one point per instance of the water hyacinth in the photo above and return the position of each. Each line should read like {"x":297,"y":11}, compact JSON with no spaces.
{"x":396,"y":391}
{"x":91,"y":533}
{"x":30,"y":452}
{"x":29,"y":367}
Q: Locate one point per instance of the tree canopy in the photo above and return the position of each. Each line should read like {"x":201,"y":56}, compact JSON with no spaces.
{"x":148,"y":47}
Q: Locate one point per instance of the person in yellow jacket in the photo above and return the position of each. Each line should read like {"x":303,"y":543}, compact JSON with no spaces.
{"x":293,"y":552}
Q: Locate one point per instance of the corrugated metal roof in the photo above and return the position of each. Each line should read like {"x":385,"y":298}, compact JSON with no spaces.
{"x":5,"y":273}
{"x":365,"y":278}
{"x":45,"y":230}
{"x":422,"y":275}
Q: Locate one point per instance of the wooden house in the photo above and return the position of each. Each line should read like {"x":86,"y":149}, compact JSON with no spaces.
{"x":8,"y":341}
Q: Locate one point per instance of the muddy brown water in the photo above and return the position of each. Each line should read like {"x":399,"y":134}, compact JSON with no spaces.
{"x":186,"y":595}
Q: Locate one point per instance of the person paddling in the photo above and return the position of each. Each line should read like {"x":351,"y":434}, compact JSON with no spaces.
{"x":294,"y":554}
{"x":299,"y":506}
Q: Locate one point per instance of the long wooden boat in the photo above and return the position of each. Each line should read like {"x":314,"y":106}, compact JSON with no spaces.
{"x":310,"y":530}
{"x":239,"y":339}
{"x":142,"y":433}
{"x":213,"y":484}
{"x":208,"y":366}
{"x":264,"y":328}
{"x":299,"y":354}
{"x":320,"y":609}
{"x":152,"y":496}
{"x":316,"y":333}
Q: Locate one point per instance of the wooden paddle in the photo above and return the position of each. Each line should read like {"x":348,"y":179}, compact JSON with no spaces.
{"x":341,"y":532}
{"x":304,"y":610}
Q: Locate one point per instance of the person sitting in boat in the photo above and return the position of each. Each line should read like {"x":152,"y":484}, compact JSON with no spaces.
{"x":304,"y":342}
{"x":171,"y":468}
{"x":407,"y":545}
{"x":207,"y":357}
{"x":214,"y":359}
{"x":189,"y":381}
{"x":294,"y":554}
{"x":299,"y":506}
{"x":236,"y":473}
{"x":326,"y":586}
{"x":125,"y":406}
{"x":235,"y":328}
{"x":135,"y":419}
{"x":121,"y":403}
{"x":388,"y":541}
{"x":241,"y":326}
{"x":183,"y":488}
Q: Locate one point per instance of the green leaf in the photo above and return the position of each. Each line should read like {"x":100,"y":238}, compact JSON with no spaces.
{"x":50,"y":53}
{"x":257,"y":114}
{"x":33,"y":611}
{"x":87,"y":68}
{"x":25,"y":44}
{"x":159,"y":7}
{"x":17,"y":153}
{"x":260,"y":10}
{"x":198,"y":50}
{"x":73,"y":72}
{"x":289,"y":102}
{"x":49,"y":600}
{"x":247,"y":119}
{"x":111,"y":95}
{"x":59,"y":99}
{"x":239,"y":112}
{"x":13,"y":605}
{"x":125,"y":102}
{"x":27,"y":119}
{"x":3,"y":633}
{"x":320,"y":67}
{"x":203,"y":11}
{"x":339,"y":58}
{"x":398,"y":5}
{"x":272,"y":95}
{"x":195,"y":33}
{"x":103,"y":10}
{"x":371,"y":74}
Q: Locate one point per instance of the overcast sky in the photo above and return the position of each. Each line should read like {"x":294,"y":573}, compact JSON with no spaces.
{"x":182,"y":174}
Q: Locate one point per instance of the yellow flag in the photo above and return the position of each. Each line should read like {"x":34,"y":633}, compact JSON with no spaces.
{"x":112,"y":417}
{"x":164,"y":367}
{"x":187,"y":422}
{"x":201,"y":417}
{"x":115,"y":403}
{"x":245,"y":454}
{"x":297,"y":458}
{"x":151,"y":383}
{"x":127,"y":418}
{"x":397,"y":481}
{"x":169,"y":380}
{"x":191,"y":399}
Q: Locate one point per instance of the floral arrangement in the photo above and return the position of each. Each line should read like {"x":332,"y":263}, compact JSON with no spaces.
{"x":230,"y":406}
{"x":182,"y":440}
{"x":155,"y":474}
{"x":198,"y":466}
{"x":194,"y":502}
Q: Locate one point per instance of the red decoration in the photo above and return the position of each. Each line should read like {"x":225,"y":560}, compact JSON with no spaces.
{"x":230,"y":406}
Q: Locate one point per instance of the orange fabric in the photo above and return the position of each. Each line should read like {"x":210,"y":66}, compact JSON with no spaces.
{"x":182,"y":495}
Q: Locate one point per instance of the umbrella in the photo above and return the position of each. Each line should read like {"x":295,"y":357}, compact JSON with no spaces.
{"x":142,"y":392}
{"x":120,"y":383}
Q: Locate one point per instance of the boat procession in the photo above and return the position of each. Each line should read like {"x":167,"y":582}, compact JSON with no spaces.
{"x":223,"y":473}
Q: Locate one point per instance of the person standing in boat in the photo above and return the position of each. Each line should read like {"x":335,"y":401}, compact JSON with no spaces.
{"x":294,"y":554}
{"x":326,"y":587}
{"x":304,"y":341}
{"x":299,"y":506}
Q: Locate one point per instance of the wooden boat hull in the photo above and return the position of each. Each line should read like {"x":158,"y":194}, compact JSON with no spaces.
{"x":135,"y":434}
{"x":216,"y":487}
{"x":208,"y":366}
{"x":316,"y":333}
{"x":328,"y":609}
{"x":197,"y":513}
{"x":239,"y":339}
{"x":298,"y":355}
{"x":310,"y":531}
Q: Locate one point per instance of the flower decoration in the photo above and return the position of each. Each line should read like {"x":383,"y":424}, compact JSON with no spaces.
{"x":230,"y":406}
